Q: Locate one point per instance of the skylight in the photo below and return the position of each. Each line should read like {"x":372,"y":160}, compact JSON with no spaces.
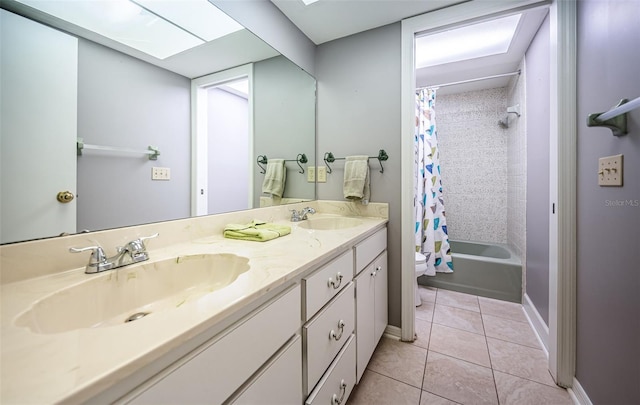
{"x":160,"y":28}
{"x":470,"y":42}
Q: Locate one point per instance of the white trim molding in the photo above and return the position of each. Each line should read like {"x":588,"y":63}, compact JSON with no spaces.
{"x":578,"y":394}
{"x":536,"y":322}
{"x":562,"y":226}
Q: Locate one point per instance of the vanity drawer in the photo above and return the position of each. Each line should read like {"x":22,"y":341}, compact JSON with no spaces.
{"x":214,"y":371}
{"x":278,"y":382}
{"x":370,"y":248}
{"x":337,"y":384}
{"x":325,"y":283}
{"x":325,"y":335}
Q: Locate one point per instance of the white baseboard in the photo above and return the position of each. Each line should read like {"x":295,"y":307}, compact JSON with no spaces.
{"x":578,"y":394}
{"x":537,"y":323}
{"x":393,"y":332}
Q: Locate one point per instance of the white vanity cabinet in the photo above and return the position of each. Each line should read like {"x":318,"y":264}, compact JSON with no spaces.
{"x":371,"y":297}
{"x":213,"y":372}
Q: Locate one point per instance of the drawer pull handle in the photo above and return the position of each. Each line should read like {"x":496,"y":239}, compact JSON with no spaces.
{"x":332,"y":282}
{"x":343,"y":388}
{"x":333,"y":334}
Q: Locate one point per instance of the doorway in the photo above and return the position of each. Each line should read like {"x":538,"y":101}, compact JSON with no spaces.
{"x":562,"y":167}
{"x":222,"y":141}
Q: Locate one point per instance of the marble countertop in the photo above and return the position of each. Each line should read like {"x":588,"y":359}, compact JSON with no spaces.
{"x":74,"y":366}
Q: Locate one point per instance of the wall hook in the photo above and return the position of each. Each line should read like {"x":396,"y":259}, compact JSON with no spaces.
{"x":262,"y":160}
{"x":302,"y":158}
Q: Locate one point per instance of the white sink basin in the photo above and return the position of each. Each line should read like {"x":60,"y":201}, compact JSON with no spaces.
{"x":330,"y":223}
{"x":112,"y":297}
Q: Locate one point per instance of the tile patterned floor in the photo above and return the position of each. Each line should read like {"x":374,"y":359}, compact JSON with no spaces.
{"x":470,"y":350}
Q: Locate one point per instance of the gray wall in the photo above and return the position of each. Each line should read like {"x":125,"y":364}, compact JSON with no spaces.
{"x":284,"y":122}
{"x":359,"y":113}
{"x":127,"y":103}
{"x":537,"y":84}
{"x":608,"y":285}
{"x":228,"y":171}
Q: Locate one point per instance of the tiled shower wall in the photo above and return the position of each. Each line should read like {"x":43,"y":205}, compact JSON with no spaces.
{"x":474,"y":161}
{"x":517,"y":167}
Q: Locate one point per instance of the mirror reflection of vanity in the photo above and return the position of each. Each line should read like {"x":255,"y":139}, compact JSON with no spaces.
{"x":130,"y":101}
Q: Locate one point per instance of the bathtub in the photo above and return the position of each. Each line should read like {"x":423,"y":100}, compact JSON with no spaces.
{"x":484,"y":269}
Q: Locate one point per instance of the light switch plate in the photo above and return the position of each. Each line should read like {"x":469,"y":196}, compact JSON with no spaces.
{"x":322,"y":174}
{"x":610,"y":171}
{"x":160,"y":173}
{"x":311,"y":174}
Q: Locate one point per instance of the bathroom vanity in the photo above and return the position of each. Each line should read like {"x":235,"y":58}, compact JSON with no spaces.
{"x":298,"y":325}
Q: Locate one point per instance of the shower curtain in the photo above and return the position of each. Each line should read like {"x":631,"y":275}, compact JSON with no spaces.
{"x":431,"y":225}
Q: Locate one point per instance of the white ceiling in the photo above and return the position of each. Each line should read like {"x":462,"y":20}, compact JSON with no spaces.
{"x":326,"y":20}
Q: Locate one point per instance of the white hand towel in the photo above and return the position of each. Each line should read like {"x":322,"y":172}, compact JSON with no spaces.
{"x":274,"y":178}
{"x":356,"y":179}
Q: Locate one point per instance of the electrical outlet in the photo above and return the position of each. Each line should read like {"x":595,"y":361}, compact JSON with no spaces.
{"x":311,"y":174}
{"x":322,"y":174}
{"x":160,"y":173}
{"x":610,"y":171}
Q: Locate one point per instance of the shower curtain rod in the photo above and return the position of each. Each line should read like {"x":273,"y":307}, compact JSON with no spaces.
{"x":469,"y":81}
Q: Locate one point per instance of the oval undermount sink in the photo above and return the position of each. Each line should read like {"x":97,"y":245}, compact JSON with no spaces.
{"x":128,"y":294}
{"x":330,"y":223}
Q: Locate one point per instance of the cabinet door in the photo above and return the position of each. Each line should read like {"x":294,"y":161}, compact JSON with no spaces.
{"x":365,"y":318}
{"x":381,"y":300}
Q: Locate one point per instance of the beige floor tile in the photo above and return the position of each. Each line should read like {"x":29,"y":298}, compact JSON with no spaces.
{"x":460,"y":344}
{"x":428,"y":398}
{"x":518,"y":391}
{"x":376,"y":389}
{"x":458,"y":318}
{"x":425,"y":311}
{"x":521,"y":361}
{"x":512,"y":331}
{"x":423,"y":332}
{"x":459,"y":380}
{"x":428,"y":294}
{"x":457,"y":299}
{"x":401,"y":361}
{"x":502,"y":309}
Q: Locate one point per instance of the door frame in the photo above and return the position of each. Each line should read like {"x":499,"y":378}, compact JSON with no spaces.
{"x":562,"y":240}
{"x":199,"y":133}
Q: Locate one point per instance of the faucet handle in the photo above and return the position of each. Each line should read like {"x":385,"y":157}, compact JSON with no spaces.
{"x":143,"y":238}
{"x":136,"y":248}
{"x":295,"y":216}
{"x":98,"y":260}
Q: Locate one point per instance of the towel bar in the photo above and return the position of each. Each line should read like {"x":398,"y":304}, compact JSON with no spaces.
{"x":302,"y":158}
{"x":329,"y":158}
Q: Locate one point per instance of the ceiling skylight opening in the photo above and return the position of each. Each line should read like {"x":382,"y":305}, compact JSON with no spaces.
{"x":473,"y":41}
{"x":160,"y":28}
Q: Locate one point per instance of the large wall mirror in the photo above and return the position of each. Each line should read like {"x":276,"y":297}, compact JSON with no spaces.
{"x":120,"y":101}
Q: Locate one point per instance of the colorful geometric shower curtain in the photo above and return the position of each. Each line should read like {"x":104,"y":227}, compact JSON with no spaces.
{"x":431,"y":224}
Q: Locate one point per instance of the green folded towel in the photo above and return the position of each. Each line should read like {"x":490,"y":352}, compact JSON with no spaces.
{"x":256,"y":230}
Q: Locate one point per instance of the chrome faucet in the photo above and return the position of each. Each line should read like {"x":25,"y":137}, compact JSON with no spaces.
{"x":133,"y":252}
{"x":302,"y":214}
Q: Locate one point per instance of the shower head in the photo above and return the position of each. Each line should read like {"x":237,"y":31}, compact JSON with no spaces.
{"x":515,"y":109}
